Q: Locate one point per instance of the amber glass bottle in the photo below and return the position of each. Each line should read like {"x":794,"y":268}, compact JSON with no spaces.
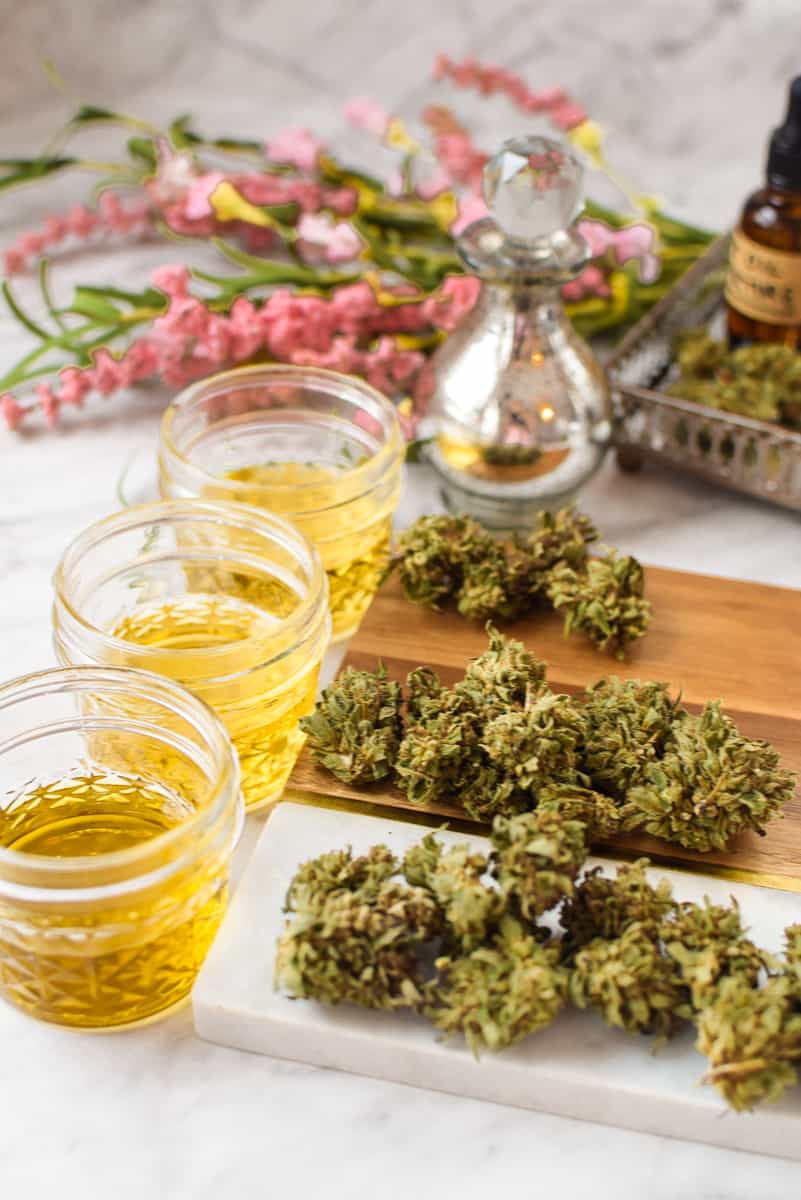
{"x":763,"y":289}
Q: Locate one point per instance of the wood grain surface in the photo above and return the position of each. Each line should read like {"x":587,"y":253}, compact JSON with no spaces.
{"x":710,"y":639}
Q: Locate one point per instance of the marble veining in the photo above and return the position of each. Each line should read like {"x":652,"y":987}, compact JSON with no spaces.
{"x":688,"y":90}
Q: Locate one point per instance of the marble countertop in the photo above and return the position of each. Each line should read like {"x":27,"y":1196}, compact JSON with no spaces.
{"x":156,"y":1112}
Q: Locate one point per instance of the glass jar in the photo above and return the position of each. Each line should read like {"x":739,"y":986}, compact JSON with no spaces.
{"x":119,"y":811}
{"x":228,"y":600}
{"x":324,"y":450}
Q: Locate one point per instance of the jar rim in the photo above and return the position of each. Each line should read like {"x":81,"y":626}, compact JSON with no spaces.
{"x":224,"y":790}
{"x":391,"y":453}
{"x":311,"y":606}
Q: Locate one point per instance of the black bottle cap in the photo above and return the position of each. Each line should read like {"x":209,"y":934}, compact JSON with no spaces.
{"x":784,"y":155}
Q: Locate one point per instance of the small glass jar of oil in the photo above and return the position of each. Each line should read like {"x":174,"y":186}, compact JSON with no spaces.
{"x":119,"y":809}
{"x":227,"y":600}
{"x":322,"y":449}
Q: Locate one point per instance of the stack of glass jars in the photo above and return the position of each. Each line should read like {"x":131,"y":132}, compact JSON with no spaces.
{"x":191,"y":632}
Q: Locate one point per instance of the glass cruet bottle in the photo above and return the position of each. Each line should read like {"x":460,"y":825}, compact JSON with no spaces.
{"x":520,"y":408}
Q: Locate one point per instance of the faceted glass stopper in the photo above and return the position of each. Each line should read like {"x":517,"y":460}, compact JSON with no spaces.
{"x":533,"y":188}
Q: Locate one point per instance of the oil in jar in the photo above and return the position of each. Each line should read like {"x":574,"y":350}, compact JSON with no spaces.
{"x":233,"y":669}
{"x":352,"y":538}
{"x":106,"y":962}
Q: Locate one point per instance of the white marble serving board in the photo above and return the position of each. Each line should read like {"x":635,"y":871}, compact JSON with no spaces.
{"x":576,"y":1068}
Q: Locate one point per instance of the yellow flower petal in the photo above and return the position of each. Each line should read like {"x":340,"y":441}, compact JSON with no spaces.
{"x":588,"y":136}
{"x":397,"y":137}
{"x":230,"y":205}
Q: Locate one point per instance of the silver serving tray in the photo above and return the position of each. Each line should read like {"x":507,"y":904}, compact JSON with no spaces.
{"x":756,"y":457}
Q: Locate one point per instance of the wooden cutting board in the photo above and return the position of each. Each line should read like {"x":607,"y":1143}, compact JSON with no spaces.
{"x":710,"y":639}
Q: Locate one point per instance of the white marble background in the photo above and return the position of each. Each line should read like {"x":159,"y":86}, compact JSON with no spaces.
{"x":688,"y":91}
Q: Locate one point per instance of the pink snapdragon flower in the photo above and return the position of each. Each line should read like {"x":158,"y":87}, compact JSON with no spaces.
{"x":11,"y":411}
{"x":591,"y":282}
{"x":295,"y":146}
{"x":197,"y":201}
{"x":323,"y":240}
{"x":454,"y":299}
{"x":364,"y":113}
{"x":638,"y":242}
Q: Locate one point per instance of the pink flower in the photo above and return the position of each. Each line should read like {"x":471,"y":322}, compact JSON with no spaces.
{"x":567,"y":116}
{"x":11,"y":411}
{"x":140,"y":360}
{"x":598,"y":235}
{"x":13,"y":261}
{"x":185,"y":316}
{"x":471,"y":208}
{"x":454,"y":299}
{"x":31,"y":244}
{"x":197,"y":202}
{"x":81,"y":221}
{"x":74,"y":385}
{"x":49,"y":404}
{"x":296,"y":146}
{"x":321,"y":240}
{"x":637,"y":242}
{"x":174,"y":175}
{"x":364,"y":113}
{"x":438,"y":180}
{"x":342,"y":201}
{"x":354,"y":306}
{"x":591,"y":282}
{"x":245,"y":329}
{"x":172,"y":279}
{"x":106,"y":374}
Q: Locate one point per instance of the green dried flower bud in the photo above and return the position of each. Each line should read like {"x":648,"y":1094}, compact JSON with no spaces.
{"x":423,"y":693}
{"x":600,"y":814}
{"x":471,"y":909}
{"x":709,"y":785}
{"x":604,"y":600}
{"x":498,"y":586}
{"x":355,"y":728}
{"x":539,"y":744}
{"x":708,"y":943}
{"x":358,"y":943}
{"x":563,"y":536}
{"x":536,"y":858}
{"x":627,"y":724}
{"x":752,"y":1037}
{"x":504,"y":676}
{"x":500,"y":993}
{"x":433,"y":553}
{"x":792,"y":945}
{"x":605,"y":907}
{"x":439,"y":754}
{"x":630,"y":984}
{"x":340,"y":871}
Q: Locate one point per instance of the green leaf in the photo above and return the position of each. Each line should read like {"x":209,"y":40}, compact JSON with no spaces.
{"x":87,"y":303}
{"x":26,"y":170}
{"x":90,"y":112}
{"x":149,"y":297}
{"x":181,"y":135}
{"x":143,"y":149}
{"x":44,"y":287}
{"x":22,"y":316}
{"x":415,"y":448}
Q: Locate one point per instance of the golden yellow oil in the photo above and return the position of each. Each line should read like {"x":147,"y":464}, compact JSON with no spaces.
{"x":233,"y":640}
{"x":499,"y":464}
{"x":104,"y":962}
{"x":352,"y":536}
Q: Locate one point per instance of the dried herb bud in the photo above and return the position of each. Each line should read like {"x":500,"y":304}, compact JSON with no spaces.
{"x":440,"y":754}
{"x":792,"y":945}
{"x":604,"y":906}
{"x":751,"y":1037}
{"x":604,"y":600}
{"x":710,"y":784}
{"x":630,"y":983}
{"x":355,"y":729}
{"x":536,"y":858}
{"x":537,"y":745}
{"x":423,"y":692}
{"x":505,"y":675}
{"x":708,"y":943}
{"x":563,"y":536}
{"x":500,"y":993}
{"x":433,"y":553}
{"x":471,"y":909}
{"x":627,"y":724}
{"x":599,"y":814}
{"x":497,"y":586}
{"x":340,"y":871}
{"x":359,"y":944}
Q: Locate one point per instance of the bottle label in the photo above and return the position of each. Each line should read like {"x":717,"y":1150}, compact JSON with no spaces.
{"x":763,"y":283}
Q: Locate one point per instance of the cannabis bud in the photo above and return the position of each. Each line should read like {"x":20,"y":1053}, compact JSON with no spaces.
{"x":710,"y":783}
{"x":355,"y":729}
{"x":604,"y":600}
{"x":355,"y":934}
{"x":536,"y":859}
{"x":627,"y":725}
{"x":630,"y":983}
{"x":471,"y":909}
{"x":604,"y":907}
{"x":708,"y":944}
{"x":443,"y":559}
{"x":499,"y":993}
